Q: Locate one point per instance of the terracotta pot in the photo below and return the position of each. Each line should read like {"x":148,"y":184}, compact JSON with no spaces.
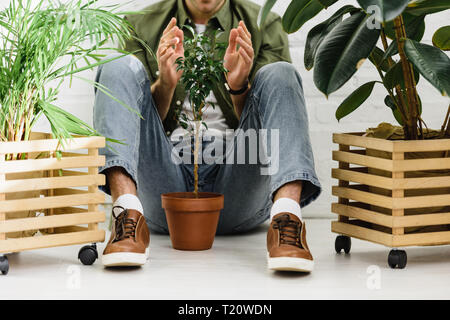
{"x":192,"y":221}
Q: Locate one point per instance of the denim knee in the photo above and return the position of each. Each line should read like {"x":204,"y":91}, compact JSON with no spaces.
{"x":279,"y":73}
{"x":125,"y":66}
{"x":280,"y":83}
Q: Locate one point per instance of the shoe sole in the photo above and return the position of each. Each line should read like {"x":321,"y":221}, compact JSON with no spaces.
{"x":290,"y":264}
{"x":125,"y":259}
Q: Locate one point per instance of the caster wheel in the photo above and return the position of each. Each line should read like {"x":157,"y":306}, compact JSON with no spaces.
{"x":4,"y":265}
{"x":88,"y":254}
{"x":397,"y":259}
{"x":343,"y":243}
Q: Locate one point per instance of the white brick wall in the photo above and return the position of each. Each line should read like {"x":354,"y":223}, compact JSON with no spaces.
{"x":79,"y":100}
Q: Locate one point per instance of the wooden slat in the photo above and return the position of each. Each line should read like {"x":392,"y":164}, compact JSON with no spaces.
{"x":68,"y":191}
{"x":421,"y":164}
{"x":70,"y":173}
{"x":343,"y":183}
{"x":360,"y":175}
{"x":69,"y":229}
{"x":419,"y":220}
{"x":72,"y":154}
{"x":361,"y":233}
{"x":364,"y":142}
{"x":93,"y":188}
{"x":51,"y":164}
{"x":363,"y":196}
{"x":422,"y":239}
{"x":51,"y":183}
{"x":440,"y":200}
{"x":51,"y":145}
{"x":50,"y":193}
{"x":68,"y":210}
{"x":54,"y":240}
{"x":14,"y":225}
{"x":421,"y":145}
{"x":390,"y":203}
{"x":357,"y":140}
{"x":51,"y":202}
{"x":352,"y":211}
{"x":363,"y":178}
{"x":363,"y":160}
{"x":398,"y":193}
{"x":422,"y":183}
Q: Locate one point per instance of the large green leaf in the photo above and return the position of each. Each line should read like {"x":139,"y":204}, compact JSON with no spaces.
{"x":354,"y":100}
{"x":378,"y":59}
{"x":386,"y":10}
{"x":391,"y":50}
{"x":441,"y":38}
{"x":414,"y":25}
{"x":388,"y":101}
{"x":431,"y":62}
{"x":342,"y":52}
{"x":422,"y":7}
{"x":264,"y":11}
{"x":299,"y":12}
{"x":318,"y":33}
{"x":393,"y":106}
{"x":327,"y":3}
{"x":394,"y":76}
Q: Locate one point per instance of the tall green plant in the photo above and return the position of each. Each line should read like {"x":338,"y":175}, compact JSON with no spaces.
{"x":41,"y":46}
{"x":202,"y":67}
{"x":337,"y":47}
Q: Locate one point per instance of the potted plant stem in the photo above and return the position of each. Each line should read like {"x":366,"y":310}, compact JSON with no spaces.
{"x":192,"y":217}
{"x":42,"y":44}
{"x":394,"y":181}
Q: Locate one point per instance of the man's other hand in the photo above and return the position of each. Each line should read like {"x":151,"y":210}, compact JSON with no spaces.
{"x":239,"y":61}
{"x":170,"y":48}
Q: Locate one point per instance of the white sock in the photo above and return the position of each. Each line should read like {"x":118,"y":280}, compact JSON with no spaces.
{"x":129,"y":201}
{"x":285,"y":205}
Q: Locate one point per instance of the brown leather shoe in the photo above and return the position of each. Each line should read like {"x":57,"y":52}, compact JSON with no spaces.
{"x":287,"y":249}
{"x":129,"y":241}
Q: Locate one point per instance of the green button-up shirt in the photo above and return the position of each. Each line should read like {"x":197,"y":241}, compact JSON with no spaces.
{"x":270,"y":44}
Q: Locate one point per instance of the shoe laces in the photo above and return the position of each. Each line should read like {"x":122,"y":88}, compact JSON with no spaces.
{"x":125,"y":227}
{"x":290,"y":230}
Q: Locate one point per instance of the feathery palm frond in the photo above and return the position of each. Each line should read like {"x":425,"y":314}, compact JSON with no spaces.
{"x":42,"y":45}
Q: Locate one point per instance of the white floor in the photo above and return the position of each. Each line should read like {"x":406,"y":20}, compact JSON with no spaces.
{"x":235,"y":268}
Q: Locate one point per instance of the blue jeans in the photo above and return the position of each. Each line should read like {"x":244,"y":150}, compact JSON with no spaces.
{"x":275,"y":101}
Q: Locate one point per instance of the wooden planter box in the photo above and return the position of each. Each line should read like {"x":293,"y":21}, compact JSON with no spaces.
{"x":59,"y":195}
{"x":395,"y":193}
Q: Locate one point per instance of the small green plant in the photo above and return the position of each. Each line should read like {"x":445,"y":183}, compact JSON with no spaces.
{"x":42,"y":44}
{"x":337,"y":47}
{"x":202,"y":67}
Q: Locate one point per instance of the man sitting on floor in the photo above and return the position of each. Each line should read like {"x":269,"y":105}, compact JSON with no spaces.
{"x":262,"y":90}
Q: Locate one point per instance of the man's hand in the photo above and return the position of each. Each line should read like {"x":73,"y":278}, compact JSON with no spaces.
{"x":170,"y":48}
{"x":239,"y":62}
